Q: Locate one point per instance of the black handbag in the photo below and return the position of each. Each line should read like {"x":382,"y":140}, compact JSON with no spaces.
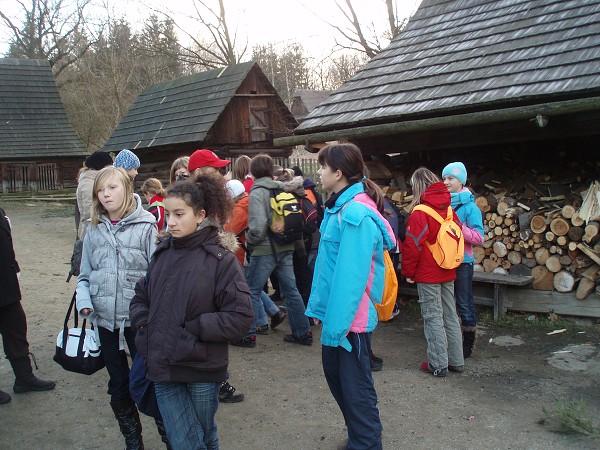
{"x":76,"y":349}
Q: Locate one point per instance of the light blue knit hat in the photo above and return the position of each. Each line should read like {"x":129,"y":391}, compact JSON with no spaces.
{"x":456,"y":170}
{"x":127,"y":160}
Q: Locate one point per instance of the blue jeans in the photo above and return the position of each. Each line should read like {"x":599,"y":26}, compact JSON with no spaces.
{"x":463,"y":293}
{"x":257,"y":275}
{"x":269,"y":308}
{"x":440,"y":325}
{"x":188,"y":411}
{"x":349,"y":378}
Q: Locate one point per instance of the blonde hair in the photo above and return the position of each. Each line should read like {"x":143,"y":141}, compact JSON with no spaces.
{"x":103,"y":175}
{"x":153,"y":186}
{"x":420,"y":180}
{"x":241,"y":168}
{"x":181,"y":162}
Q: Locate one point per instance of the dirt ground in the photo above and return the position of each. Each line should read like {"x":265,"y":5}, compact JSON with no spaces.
{"x":495,"y":404}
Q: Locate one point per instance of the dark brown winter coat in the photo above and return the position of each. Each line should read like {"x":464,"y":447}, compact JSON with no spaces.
{"x":9,"y":284}
{"x":193,"y":301}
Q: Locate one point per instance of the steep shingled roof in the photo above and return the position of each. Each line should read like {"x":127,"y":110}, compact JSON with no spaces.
{"x":306,"y":100}
{"x":463,"y":56}
{"x":33,"y":121}
{"x":178,"y":111}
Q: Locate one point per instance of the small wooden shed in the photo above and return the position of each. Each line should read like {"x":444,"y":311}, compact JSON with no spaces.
{"x":233,"y":110}
{"x":39,"y":149}
{"x":306,"y":100}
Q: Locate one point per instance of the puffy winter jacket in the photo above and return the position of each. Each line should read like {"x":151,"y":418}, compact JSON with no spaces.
{"x":417,"y":261}
{"x":114,"y":258}
{"x":469,"y":214}
{"x":238,"y":222}
{"x":349,"y":270}
{"x":85,"y":186}
{"x":192,"y":302}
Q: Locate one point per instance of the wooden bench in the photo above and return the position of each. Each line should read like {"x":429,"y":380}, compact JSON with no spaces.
{"x":499,"y":282}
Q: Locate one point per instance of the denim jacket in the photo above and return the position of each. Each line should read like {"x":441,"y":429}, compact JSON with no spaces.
{"x":349,"y":270}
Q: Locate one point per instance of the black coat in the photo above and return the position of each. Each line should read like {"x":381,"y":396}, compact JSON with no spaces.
{"x":193,"y":301}
{"x":10,"y":291}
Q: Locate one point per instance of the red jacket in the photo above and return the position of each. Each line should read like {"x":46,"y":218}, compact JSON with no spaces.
{"x":417,"y":261}
{"x":238,"y":221}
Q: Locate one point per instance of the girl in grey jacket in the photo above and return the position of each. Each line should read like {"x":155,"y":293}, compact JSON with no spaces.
{"x":116,"y":251}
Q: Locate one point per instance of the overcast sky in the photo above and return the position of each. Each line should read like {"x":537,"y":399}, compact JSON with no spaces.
{"x":262,"y":21}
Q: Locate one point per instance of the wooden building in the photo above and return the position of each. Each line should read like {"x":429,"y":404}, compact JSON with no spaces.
{"x":39,"y":149}
{"x":232,"y":110}
{"x":509,"y":87}
{"x":306,"y":100}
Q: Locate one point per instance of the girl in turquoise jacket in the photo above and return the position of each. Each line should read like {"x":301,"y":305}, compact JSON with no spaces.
{"x":463,"y":203}
{"x":349,"y":277}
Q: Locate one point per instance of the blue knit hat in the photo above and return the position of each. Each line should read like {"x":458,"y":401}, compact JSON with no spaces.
{"x":456,"y":170}
{"x":127,"y":160}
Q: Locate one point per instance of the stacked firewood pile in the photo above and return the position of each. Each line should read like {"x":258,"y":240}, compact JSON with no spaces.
{"x":542,"y":223}
{"x":555,"y":239}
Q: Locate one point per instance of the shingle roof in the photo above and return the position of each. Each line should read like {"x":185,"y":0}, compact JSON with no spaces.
{"x":178,"y":111}
{"x":467,"y":55}
{"x":33,"y":121}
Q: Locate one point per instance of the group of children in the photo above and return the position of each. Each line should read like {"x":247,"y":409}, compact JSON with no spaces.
{"x":180,"y":301}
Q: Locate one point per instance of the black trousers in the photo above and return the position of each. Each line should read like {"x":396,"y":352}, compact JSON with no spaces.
{"x":13,"y":328}
{"x":348,"y":375}
{"x":116,"y":362}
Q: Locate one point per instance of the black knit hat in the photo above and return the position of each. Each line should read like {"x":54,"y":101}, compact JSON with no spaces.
{"x":297,"y":171}
{"x":98,"y":160}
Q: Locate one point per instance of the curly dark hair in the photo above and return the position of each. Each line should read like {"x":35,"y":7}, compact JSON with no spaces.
{"x":206,"y":192}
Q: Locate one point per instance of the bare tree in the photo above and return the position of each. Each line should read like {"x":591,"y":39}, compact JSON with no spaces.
{"x":356,"y":34}
{"x":50,"y":29}
{"x":218,"y":47}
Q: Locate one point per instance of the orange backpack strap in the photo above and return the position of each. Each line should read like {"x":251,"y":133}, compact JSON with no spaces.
{"x":433,"y":213}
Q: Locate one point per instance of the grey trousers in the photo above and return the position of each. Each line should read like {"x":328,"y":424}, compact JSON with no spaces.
{"x":441,"y":325}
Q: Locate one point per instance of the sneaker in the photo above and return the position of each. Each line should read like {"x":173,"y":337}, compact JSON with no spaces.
{"x":376,"y":366}
{"x":425,"y":367}
{"x":227,"y":394}
{"x":278,"y":318}
{"x":263,"y":329}
{"x":248,"y":342}
{"x":304,"y":340}
{"x":456,"y":369}
{"x":4,"y":397}
{"x":375,"y":358}
{"x":396,"y":310}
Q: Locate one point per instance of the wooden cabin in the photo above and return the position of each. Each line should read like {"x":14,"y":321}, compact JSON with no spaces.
{"x":512,"y":89}
{"x":39,"y":149}
{"x":232,"y":111}
{"x":306,"y":100}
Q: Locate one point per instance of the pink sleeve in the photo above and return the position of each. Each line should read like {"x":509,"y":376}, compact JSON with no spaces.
{"x":472,"y":235}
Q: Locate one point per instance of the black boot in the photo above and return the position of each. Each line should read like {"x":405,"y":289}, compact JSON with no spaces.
{"x":468,"y":341}
{"x":4,"y":398}
{"x":25,"y":380}
{"x":163,"y":433}
{"x":129,"y":423}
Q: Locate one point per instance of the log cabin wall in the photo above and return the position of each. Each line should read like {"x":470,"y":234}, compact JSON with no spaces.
{"x":39,"y":175}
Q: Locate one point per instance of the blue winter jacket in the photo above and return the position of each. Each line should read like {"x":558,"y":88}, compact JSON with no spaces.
{"x":349,"y":271}
{"x":463,"y":203}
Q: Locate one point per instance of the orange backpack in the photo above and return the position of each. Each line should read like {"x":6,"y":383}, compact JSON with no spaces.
{"x":390,"y":290}
{"x":449,"y":248}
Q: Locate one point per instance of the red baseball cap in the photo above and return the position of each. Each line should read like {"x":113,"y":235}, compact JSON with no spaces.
{"x":204,"y":158}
